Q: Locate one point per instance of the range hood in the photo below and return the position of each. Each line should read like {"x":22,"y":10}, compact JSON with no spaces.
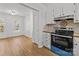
{"x":68,"y":17}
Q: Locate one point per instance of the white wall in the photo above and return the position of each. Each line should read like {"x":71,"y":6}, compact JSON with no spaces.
{"x":28,"y":24}
{"x":9,"y":21}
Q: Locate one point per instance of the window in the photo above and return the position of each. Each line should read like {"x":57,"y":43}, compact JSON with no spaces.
{"x":1,"y":26}
{"x":17,"y":25}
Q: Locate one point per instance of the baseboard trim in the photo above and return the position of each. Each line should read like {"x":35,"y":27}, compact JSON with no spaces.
{"x":15,"y":36}
{"x":11,"y":37}
{"x":28,"y":36}
{"x":40,"y":46}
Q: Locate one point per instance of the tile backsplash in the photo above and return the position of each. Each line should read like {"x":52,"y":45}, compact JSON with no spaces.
{"x":49,"y":28}
{"x":70,"y":24}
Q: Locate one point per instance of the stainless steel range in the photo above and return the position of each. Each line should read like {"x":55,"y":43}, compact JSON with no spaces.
{"x":63,"y":39}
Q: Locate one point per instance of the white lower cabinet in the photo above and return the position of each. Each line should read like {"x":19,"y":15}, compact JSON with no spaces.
{"x":47,"y":40}
{"x":76,"y":46}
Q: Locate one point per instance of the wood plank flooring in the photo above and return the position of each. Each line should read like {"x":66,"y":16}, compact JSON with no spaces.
{"x":21,"y":46}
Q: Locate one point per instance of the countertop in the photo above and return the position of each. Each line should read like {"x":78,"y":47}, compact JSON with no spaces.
{"x":48,"y":31}
{"x":76,"y":34}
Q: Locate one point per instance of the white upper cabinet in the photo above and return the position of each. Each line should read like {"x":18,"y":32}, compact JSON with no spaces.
{"x":76,"y":14}
{"x":63,"y":9}
{"x":57,"y":10}
{"x":50,"y":16}
{"x":68,"y":9}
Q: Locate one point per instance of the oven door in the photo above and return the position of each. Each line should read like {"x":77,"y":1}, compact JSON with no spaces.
{"x":61,"y":42}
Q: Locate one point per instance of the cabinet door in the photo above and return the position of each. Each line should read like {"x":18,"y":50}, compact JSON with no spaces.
{"x":47,"y":40}
{"x":50,"y":16}
{"x":57,"y":10}
{"x":68,"y":9}
{"x":76,"y":46}
{"x":76,"y":49}
{"x":76,"y":14}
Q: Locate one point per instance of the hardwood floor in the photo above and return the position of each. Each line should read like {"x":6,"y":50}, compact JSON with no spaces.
{"x":21,"y":46}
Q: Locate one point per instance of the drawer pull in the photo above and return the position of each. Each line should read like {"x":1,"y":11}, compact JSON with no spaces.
{"x":75,"y":44}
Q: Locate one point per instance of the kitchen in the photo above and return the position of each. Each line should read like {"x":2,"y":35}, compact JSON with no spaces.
{"x":63,"y":25}
{"x":53,"y":26}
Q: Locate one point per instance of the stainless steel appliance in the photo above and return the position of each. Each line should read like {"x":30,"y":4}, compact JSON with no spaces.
{"x":63,"y":39}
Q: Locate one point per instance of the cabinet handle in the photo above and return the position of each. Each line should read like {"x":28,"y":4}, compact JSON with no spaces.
{"x":76,"y":44}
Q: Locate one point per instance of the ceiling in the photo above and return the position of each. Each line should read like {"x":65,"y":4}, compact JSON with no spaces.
{"x":14,"y":8}
{"x":48,"y":4}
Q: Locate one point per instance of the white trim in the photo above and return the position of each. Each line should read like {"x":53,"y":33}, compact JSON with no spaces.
{"x":28,"y":7}
{"x":40,"y":46}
